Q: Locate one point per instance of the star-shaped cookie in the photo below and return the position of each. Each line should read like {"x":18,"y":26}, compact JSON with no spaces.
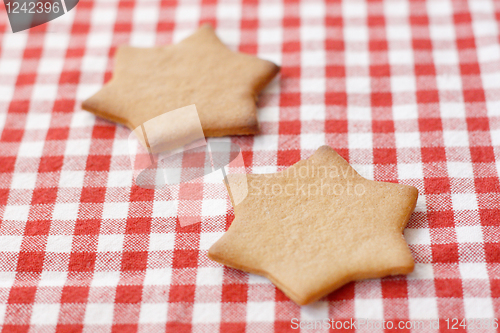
{"x":200,"y":70}
{"x":318,"y":225}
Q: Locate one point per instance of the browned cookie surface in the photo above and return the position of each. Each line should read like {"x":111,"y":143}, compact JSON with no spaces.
{"x":317,"y":226}
{"x":200,"y":70}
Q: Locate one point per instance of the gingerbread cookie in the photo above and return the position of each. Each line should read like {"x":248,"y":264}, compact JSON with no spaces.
{"x":200,"y":70}
{"x":318,"y":225}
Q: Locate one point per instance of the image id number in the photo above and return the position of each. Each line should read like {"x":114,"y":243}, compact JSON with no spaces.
{"x":32,"y":7}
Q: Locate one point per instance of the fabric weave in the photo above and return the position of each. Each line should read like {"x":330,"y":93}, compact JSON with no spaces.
{"x":407,"y":92}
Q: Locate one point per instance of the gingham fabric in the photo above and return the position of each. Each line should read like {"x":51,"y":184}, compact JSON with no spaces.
{"x":407,"y":92}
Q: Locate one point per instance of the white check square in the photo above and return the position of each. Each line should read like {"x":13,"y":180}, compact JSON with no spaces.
{"x":417,"y":236}
{"x":491,"y":80}
{"x":481,"y":7}
{"x":398,"y":32}
{"x":23,"y":180}
{"x":45,"y":314}
{"x":187,"y":13}
{"x":456,"y":138}
{"x":84,"y":90}
{"x":313,"y":59}
{"x":407,"y":139}
{"x":105,"y":279}
{"x":495,"y":137}
{"x":229,"y":11}
{"x":396,"y":8}
{"x":209,"y":276}
{"x":359,"y":113}
{"x":464,"y":201}
{"x":421,"y":272}
{"x":213,"y":207}
{"x":405,"y":112}
{"x":56,"y":41}
{"x":460,"y":170}
{"x":478,"y":307}
{"x":439,"y":8}
{"x":83,"y":118}
{"x":449,"y":82}
{"x":6,"y":92}
{"x":312,"y":112}
{"x":487,"y":53}
{"x":410,"y":171}
{"x":422,"y":308}
{"x":122,"y":178}
{"x":94,"y":63}
{"x":158,"y":277}
{"x":493,"y":108}
{"x":14,"y":41}
{"x":357,"y":58}
{"x":10,"y":243}
{"x":71,"y":178}
{"x":110,"y":243}
{"x":266,"y":142}
{"x":103,"y":14}
{"x":403,"y":84}
{"x":312,"y":141}
{"x":452,"y":110}
{"x":312,"y":33}
{"x":38,"y":121}
{"x":314,"y":311}
{"x":207,"y":239}
{"x":145,"y":13}
{"x":161,"y":242}
{"x":260,"y":311}
{"x":31,"y":148}
{"x":16,"y":212}
{"x":53,"y":279}
{"x":312,"y":85}
{"x":50,"y":65}
{"x":115,"y":210}
{"x":312,"y":9}
{"x":78,"y":147}
{"x":99,"y":40}
{"x":270,"y":10}
{"x":353,"y":9}
{"x":165,"y":208}
{"x":484,"y":28}
{"x":10,"y":66}
{"x":153,"y":313}
{"x":65,"y":211}
{"x":206,"y":312}
{"x":469,"y":234}
{"x":446,"y":57}
{"x":3,"y":309}
{"x":360,"y":140}
{"x":357,"y":85}
{"x":142,"y":39}
{"x":270,"y":35}
{"x":368,"y":308}
{"x":400,"y":57}
{"x":269,"y":113}
{"x":99,"y":314}
{"x":356,"y":33}
{"x":473,"y":270}
{"x":59,"y":243}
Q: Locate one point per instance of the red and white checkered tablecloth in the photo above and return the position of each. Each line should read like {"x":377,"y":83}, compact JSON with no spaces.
{"x":407,"y":92}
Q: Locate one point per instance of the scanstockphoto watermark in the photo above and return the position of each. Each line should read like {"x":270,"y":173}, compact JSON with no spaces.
{"x":309,"y":180}
{"x":369,"y":324}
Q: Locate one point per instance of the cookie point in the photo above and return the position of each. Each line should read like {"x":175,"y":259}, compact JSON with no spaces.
{"x":324,"y":150}
{"x":206,"y":26}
